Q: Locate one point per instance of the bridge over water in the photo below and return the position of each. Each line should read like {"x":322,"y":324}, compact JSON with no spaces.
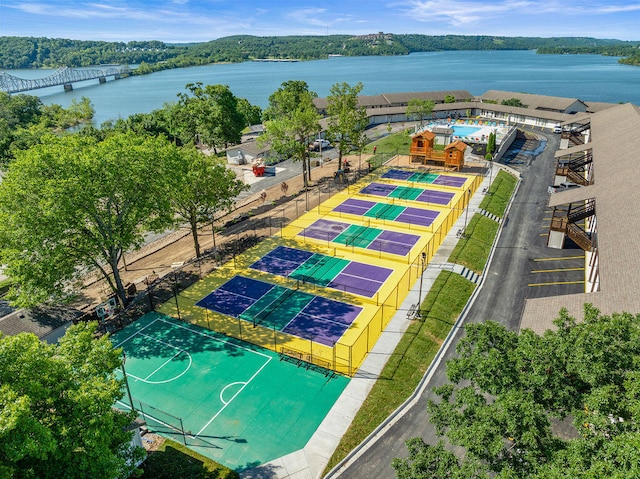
{"x":63,"y":76}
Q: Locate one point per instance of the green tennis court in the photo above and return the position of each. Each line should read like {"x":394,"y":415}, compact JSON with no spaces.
{"x":359,"y":236}
{"x":320,"y":269}
{"x":232,"y":401}
{"x":406,"y":193}
{"x":385,"y":211}
{"x":423,"y":177}
{"x":278,"y":307}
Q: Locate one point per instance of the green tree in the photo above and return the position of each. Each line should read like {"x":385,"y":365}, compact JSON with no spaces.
{"x":75,"y":203}
{"x":491,"y":143}
{"x":56,"y":408}
{"x":252,"y":114}
{"x":434,"y":462}
{"x":507,"y":388}
{"x":214,"y":108}
{"x":347,"y":120}
{"x":202,"y":187}
{"x":418,"y":109}
{"x":287,"y":98}
{"x":449,"y":99}
{"x":513,"y":102}
{"x":292,"y":121}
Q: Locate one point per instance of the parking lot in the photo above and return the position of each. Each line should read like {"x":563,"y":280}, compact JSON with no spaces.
{"x":558,"y":272}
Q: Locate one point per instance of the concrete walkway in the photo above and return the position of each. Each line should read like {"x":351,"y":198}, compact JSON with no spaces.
{"x":309,"y":463}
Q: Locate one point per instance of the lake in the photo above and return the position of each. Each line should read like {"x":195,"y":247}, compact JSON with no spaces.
{"x":587,"y":77}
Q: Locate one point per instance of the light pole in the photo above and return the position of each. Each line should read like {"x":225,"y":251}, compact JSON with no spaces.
{"x":423,"y":258}
{"x":466,"y":213}
{"x":126,"y":380}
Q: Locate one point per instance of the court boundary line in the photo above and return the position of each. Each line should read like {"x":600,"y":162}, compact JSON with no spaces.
{"x":302,"y":311}
{"x":180,"y":350}
{"x":318,"y":266}
{"x":225,"y":404}
{"x":221,"y":287}
{"x":360,"y":278}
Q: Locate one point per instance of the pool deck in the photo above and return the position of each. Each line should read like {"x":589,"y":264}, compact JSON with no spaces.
{"x":484,"y":128}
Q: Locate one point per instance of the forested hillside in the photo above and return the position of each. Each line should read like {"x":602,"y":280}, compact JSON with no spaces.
{"x":30,"y":52}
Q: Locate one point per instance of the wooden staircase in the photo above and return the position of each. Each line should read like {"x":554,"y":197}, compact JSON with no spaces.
{"x":575,"y":170}
{"x":564,"y":221}
{"x":575,"y":134}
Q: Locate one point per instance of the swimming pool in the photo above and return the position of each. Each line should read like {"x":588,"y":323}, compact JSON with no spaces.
{"x":462,"y":131}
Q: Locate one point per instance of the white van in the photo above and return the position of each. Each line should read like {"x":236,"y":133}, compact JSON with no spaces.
{"x":557,"y":129}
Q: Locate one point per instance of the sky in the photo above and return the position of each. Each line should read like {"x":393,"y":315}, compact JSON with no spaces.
{"x":181,"y":21}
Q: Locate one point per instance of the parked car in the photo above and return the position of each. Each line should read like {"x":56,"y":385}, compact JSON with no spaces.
{"x":557,"y":129}
{"x":320,"y":143}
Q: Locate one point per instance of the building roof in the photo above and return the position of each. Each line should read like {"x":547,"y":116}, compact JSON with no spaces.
{"x":41,"y":321}
{"x":573,"y":195}
{"x":594,"y":106}
{"x":615,"y":143}
{"x":429,"y":135}
{"x":458,"y":145}
{"x":535,"y":102}
{"x":250,"y":147}
{"x":573,"y":150}
{"x":436,"y":96}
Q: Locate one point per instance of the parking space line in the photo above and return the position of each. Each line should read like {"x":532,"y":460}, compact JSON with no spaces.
{"x":559,"y":258}
{"x":559,"y":270}
{"x":555,"y":283}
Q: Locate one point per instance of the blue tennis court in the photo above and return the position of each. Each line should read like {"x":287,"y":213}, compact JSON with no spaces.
{"x":288,"y":310}
{"x":337,"y":273}
{"x":422,"y":177}
{"x":408,"y":193}
{"x":375,"y":239}
{"x":385,"y":211}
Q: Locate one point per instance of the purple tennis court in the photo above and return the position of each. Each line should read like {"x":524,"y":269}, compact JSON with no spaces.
{"x":455,"y":181}
{"x":402,"y":192}
{"x":375,"y":239}
{"x":337,"y":273}
{"x":291,"y":311}
{"x":398,"y":174}
{"x":385,"y":211}
{"x":425,"y":177}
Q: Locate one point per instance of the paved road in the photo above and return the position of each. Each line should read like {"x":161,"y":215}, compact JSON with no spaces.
{"x":501,"y":299}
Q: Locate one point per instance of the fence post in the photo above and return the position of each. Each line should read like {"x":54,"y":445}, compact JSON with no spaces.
{"x":184,"y":437}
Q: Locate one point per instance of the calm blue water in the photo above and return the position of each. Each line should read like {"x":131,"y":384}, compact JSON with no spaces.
{"x":587,"y":77}
{"x":464,"y":130}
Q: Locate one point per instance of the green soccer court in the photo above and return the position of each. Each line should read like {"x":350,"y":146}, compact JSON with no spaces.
{"x":231,"y":401}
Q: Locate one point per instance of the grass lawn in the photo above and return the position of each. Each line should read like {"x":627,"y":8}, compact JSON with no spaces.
{"x":499,"y":193}
{"x":173,"y":460}
{"x":395,"y":144}
{"x":474,"y":248}
{"x":410,"y":360}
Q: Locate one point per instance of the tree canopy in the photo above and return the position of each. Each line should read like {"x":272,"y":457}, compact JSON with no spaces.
{"x":56,"y":408}
{"x":510,"y":392}
{"x":347,"y":120}
{"x":292,"y":120}
{"x":215,"y":118}
{"x":420,"y":109}
{"x":76,"y":203}
{"x":24,"y":120}
{"x":203,"y":187}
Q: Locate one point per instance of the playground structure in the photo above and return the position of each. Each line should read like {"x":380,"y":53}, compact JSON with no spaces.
{"x":422,"y":151}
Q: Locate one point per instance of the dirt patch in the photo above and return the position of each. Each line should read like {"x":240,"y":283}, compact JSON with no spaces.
{"x":152,"y":442}
{"x":260,"y":215}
